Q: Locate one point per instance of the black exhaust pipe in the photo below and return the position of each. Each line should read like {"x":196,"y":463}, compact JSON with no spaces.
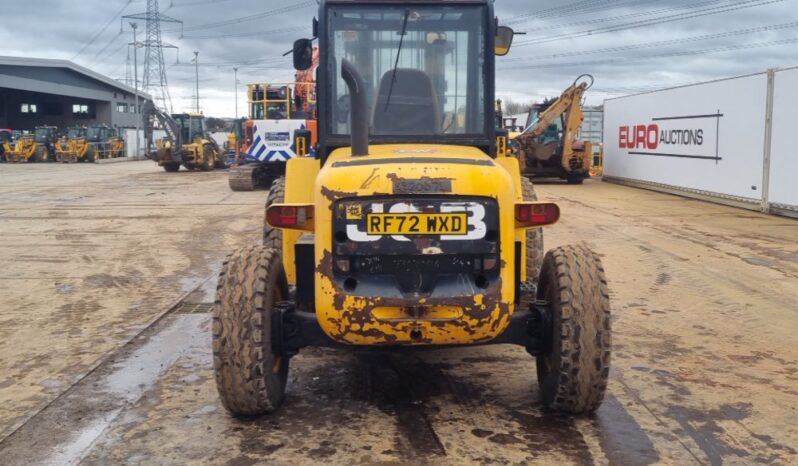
{"x":358,"y":109}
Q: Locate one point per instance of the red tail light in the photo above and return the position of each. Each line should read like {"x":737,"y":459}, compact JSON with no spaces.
{"x":536,"y":214}
{"x":298,"y":217}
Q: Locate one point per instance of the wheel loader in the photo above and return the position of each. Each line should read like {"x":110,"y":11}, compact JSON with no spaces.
{"x":187,"y":143}
{"x":36,"y":147}
{"x":412,"y":228}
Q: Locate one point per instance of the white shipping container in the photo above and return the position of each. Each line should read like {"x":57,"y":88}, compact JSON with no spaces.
{"x":783,"y":188}
{"x":705,"y":138}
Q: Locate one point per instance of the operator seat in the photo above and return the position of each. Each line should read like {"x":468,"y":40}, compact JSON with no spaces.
{"x":414,"y":108}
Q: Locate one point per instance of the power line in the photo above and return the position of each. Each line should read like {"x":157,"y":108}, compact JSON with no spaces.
{"x":102,"y":50}
{"x":622,"y":17}
{"x":256,"y":61}
{"x":196,"y":3}
{"x":102,"y":30}
{"x":572,"y":9}
{"x":651,"y":22}
{"x":248,"y":34}
{"x":243,"y":19}
{"x":663,"y":55}
{"x":660,"y":43}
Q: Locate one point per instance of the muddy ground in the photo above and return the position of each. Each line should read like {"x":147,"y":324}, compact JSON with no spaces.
{"x":105,"y":285}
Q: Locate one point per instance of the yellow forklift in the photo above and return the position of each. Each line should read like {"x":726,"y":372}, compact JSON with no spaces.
{"x":36,"y":147}
{"x":72,"y":146}
{"x":412,"y":228}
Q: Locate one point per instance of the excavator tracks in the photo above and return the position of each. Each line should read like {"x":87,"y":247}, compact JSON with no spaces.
{"x":251,"y":176}
{"x":242,"y":178}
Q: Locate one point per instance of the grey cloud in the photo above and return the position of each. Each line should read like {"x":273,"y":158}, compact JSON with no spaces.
{"x":63,"y":27}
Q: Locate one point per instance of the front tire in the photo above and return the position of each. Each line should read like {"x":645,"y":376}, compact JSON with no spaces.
{"x":91,"y":155}
{"x":39,"y":155}
{"x":575,"y":179}
{"x":250,"y":377}
{"x":573,"y":375}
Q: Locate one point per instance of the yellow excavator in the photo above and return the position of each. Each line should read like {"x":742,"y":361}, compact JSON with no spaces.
{"x":548,"y":147}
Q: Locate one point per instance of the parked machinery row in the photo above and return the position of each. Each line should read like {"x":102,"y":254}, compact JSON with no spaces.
{"x":77,"y":144}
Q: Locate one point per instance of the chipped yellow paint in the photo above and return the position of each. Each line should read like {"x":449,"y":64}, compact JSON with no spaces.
{"x":355,"y":319}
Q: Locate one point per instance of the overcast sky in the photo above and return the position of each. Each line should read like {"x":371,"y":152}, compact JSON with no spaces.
{"x":628,"y":45}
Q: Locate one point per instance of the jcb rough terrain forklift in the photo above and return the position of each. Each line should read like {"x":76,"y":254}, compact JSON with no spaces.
{"x":36,"y":147}
{"x":72,"y":146}
{"x":104,"y":143}
{"x":186,"y":143}
{"x":412,"y":227}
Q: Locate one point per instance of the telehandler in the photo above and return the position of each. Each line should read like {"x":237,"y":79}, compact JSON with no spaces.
{"x":36,"y":147}
{"x":73,"y":146}
{"x":411,"y":227}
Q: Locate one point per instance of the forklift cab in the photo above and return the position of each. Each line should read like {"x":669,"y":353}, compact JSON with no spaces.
{"x":44,"y":134}
{"x":427,"y":69}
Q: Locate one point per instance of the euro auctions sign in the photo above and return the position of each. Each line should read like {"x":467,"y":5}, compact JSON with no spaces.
{"x":679,"y":136}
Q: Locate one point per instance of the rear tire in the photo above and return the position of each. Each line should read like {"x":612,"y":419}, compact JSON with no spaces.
{"x":573,"y":375}
{"x":171,"y":166}
{"x":250,"y":378}
{"x":273,"y":237}
{"x":534,"y":245}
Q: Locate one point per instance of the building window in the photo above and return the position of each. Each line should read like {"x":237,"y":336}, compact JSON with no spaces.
{"x":28,"y":108}
{"x":121,"y":107}
{"x":83,"y":111}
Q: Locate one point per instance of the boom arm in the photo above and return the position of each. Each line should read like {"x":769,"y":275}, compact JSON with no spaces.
{"x":169,"y":124}
{"x":570,"y":104}
{"x":574,"y":156}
